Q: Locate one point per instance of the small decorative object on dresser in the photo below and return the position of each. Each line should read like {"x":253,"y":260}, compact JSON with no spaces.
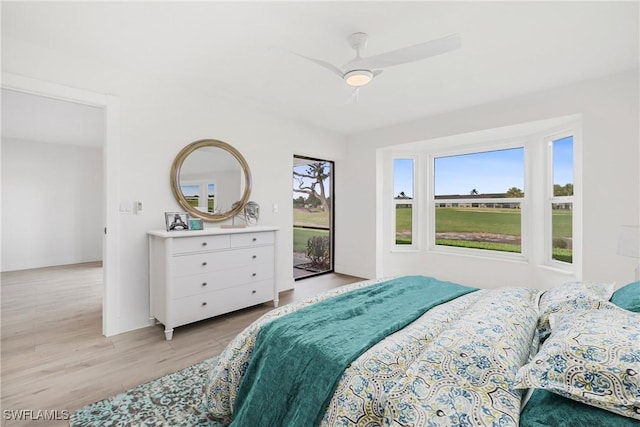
{"x":199,"y":274}
{"x":195,"y":224}
{"x":176,"y":221}
{"x":251,"y":213}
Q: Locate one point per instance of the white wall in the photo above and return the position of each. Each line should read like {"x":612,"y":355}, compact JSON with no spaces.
{"x":153,"y":132}
{"x":611,"y":184}
{"x":51,"y":204}
{"x":159,"y":116}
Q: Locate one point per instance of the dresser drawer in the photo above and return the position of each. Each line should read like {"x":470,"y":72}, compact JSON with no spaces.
{"x":202,"y":283}
{"x":199,"y":263}
{"x":200,"y":243}
{"x":206,"y":273}
{"x":252,"y":239}
{"x":198,"y":307}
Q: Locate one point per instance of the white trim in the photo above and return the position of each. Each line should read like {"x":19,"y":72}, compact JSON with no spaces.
{"x":111,"y":306}
{"x":578,"y":231}
{"x":481,"y":254}
{"x":380,"y":203}
{"x":110,"y":105}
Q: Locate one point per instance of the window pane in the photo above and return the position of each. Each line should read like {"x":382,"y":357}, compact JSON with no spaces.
{"x":485,"y":174}
{"x":496,"y":228}
{"x":211,"y":198}
{"x":491,"y":225}
{"x":562,"y":231}
{"x":404,"y":223}
{"x":403,"y":178}
{"x":191,"y":193}
{"x":563,"y":167}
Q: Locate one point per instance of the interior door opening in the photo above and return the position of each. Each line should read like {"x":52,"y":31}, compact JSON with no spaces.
{"x":313,"y":232}
{"x":109,"y":105}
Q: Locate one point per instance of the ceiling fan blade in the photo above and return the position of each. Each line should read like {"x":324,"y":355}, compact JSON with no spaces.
{"x":323,"y":64}
{"x":354,"y":97}
{"x":407,"y":54}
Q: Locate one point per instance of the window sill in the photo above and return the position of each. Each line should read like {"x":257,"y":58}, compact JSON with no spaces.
{"x":557,"y":269}
{"x":398,"y":249}
{"x":484,"y":255}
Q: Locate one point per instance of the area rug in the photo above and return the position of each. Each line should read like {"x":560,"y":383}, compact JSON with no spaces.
{"x":174,"y":400}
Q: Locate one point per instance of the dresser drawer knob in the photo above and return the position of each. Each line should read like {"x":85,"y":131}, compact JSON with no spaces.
{"x":204,"y":243}
{"x":253,"y":292}
{"x":204,"y":283}
{"x":254,"y":239}
{"x":255,"y":256}
{"x":204,"y":303}
{"x":204,"y":263}
{"x":253,"y":275}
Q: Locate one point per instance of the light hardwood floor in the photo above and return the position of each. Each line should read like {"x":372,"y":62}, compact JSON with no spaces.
{"x":53,"y":354}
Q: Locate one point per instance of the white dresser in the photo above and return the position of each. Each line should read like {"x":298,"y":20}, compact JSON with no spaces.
{"x":199,"y":274}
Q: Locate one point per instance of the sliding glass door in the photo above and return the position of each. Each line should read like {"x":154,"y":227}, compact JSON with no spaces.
{"x":312,"y":217}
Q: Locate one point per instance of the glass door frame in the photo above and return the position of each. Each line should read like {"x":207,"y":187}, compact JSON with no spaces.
{"x":331,"y":215}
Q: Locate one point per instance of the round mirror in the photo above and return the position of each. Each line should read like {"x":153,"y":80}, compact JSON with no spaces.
{"x":211,"y":180}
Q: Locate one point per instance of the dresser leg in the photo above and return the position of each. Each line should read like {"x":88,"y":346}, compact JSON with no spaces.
{"x":275,"y":303}
{"x":168,"y":334}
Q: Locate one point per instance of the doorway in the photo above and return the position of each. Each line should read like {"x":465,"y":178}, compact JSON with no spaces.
{"x":313,"y":207}
{"x":109,"y":105}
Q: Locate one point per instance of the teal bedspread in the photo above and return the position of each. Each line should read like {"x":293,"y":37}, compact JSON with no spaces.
{"x":546,"y":409}
{"x":299,"y":358}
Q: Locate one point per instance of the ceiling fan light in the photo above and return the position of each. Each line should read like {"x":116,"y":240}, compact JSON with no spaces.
{"x":358,"y":77}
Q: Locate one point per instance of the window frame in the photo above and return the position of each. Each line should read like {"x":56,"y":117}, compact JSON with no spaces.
{"x":203,"y":192}
{"x":537,"y":223}
{"x":551,"y":199}
{"x":523,"y":255}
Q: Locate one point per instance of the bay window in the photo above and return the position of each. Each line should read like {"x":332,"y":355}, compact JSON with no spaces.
{"x":510,"y":198}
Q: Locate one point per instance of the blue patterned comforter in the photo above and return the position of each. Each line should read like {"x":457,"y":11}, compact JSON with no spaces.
{"x":453,"y":366}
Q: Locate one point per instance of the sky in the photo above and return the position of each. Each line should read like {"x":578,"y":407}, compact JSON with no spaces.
{"x":563,"y":161}
{"x":308,"y":181}
{"x":194,"y":190}
{"x":486,"y":172}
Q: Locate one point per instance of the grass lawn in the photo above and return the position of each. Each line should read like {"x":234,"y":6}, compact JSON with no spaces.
{"x":316,"y":219}
{"x":302,"y":235}
{"x":494,"y":221}
{"x":493,"y":246}
{"x":486,"y":220}
{"x":562,"y":223}
{"x":193,"y":201}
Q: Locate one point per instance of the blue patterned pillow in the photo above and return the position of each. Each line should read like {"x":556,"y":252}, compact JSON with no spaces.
{"x":571,"y":296}
{"x":591,"y":356}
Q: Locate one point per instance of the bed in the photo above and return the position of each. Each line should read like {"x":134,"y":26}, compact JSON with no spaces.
{"x":459,"y":356}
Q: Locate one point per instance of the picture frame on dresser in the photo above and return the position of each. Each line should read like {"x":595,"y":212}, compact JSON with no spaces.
{"x":176,"y":221}
{"x":195,"y":224}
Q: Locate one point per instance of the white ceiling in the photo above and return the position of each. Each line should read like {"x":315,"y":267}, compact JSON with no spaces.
{"x":238,"y":49}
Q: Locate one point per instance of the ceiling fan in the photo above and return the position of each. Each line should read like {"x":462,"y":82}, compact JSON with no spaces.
{"x":360,"y":71}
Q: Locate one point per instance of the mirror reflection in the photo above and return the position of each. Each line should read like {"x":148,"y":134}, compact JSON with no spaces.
{"x":211,"y":180}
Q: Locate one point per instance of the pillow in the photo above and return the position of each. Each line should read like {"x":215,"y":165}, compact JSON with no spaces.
{"x":571,"y":296}
{"x":591,"y":356}
{"x":628,"y":297}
